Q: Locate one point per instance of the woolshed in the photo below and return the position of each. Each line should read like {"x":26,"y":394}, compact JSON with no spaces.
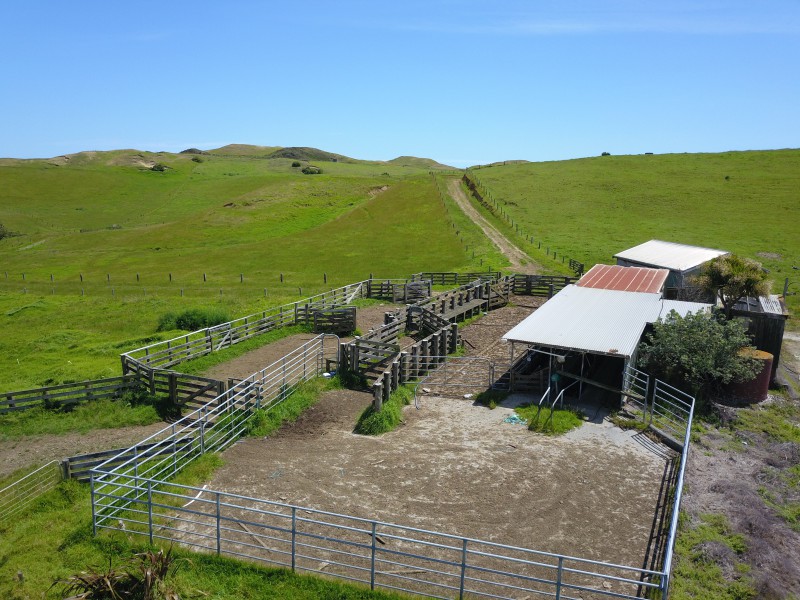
{"x":682,"y":261}
{"x":585,"y":338}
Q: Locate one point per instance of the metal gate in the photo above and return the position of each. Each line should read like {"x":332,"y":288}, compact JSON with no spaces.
{"x":460,"y":375}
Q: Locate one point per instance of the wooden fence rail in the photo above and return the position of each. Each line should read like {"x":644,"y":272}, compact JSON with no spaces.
{"x":67,"y":393}
{"x":205,"y":341}
{"x":539,"y":285}
{"x":335,"y":320}
{"x":453,"y":278}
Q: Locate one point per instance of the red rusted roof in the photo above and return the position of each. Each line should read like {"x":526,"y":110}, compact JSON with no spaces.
{"x":625,"y":279}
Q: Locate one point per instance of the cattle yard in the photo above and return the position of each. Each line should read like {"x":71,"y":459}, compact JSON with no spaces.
{"x":451,"y":503}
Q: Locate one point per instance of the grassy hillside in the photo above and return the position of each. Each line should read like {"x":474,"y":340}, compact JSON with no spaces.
{"x":590,"y":209}
{"x":125,"y":229}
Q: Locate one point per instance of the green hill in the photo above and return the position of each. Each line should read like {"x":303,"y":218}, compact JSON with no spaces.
{"x":592,"y":208}
{"x":106,"y":244}
{"x":413,"y":161}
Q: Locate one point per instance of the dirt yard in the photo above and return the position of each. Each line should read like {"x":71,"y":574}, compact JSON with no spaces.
{"x":457,"y":467}
{"x":255,"y":360}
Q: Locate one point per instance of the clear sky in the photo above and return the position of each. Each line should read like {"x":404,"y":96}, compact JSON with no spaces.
{"x":463,"y":82}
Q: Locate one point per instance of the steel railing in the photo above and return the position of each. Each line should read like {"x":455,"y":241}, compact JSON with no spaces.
{"x":15,"y":497}
{"x":369,"y":551}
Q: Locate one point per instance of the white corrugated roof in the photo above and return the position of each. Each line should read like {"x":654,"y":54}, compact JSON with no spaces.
{"x":669,"y":255}
{"x":595,"y":320}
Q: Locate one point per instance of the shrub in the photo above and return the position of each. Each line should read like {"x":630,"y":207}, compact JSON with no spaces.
{"x":698,"y":350}
{"x":606,"y":154}
{"x":159,"y":167}
{"x":297,"y":163}
{"x":197,"y":159}
{"x":192,"y":319}
{"x":311,"y":170}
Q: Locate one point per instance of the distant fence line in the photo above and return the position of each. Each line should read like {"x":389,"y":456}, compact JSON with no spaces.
{"x":162,"y":278}
{"x":485,"y":196}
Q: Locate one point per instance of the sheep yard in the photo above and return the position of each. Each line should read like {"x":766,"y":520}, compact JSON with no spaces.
{"x":456,"y":467}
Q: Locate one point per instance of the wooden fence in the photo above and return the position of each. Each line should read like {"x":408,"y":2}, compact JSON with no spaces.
{"x":539,"y":285}
{"x":335,"y":320}
{"x":412,"y":291}
{"x":452,"y":278}
{"x":66,"y":394}
{"x":205,"y":341}
{"x":415,"y":362}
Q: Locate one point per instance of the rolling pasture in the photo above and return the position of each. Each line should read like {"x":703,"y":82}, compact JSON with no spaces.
{"x":592,"y":208}
{"x":125,"y":244}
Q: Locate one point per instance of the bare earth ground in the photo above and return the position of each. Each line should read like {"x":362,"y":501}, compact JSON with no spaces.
{"x":457,"y":467}
{"x":255,"y":360}
{"x":40,"y":449}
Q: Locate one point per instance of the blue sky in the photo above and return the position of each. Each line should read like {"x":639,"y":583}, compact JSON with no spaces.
{"x":464,"y":82}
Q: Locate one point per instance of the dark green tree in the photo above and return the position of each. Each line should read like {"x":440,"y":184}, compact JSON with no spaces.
{"x":730,"y":278}
{"x":698,"y":351}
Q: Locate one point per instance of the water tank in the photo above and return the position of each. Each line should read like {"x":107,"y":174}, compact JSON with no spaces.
{"x":755,"y":390}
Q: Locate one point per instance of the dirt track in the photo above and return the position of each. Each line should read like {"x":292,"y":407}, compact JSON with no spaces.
{"x":520,"y":262}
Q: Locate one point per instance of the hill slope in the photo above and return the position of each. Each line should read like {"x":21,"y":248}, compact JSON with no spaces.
{"x":592,"y":208}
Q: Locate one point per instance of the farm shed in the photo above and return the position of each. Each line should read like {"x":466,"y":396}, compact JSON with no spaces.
{"x":625,"y":279}
{"x":681,"y":260}
{"x":766,"y":321}
{"x":589,"y":335}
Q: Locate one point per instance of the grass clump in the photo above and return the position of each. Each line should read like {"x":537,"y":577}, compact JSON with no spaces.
{"x":491,"y":398}
{"x":707,"y":561}
{"x":562,"y":421}
{"x":266,"y":421}
{"x":624,"y":422}
{"x":776,"y":421}
{"x":192,"y":319}
{"x":372,"y":422}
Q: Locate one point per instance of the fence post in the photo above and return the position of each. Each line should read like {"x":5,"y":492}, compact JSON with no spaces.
{"x":558,"y":579}
{"x":94,"y":514}
{"x":219,"y":541}
{"x":372,"y":560}
{"x":173,"y":387}
{"x":387,"y":384}
{"x":150,"y":511}
{"x":294,"y":537}
{"x":463,"y":568}
{"x":395,"y":374}
{"x":453,"y":338}
{"x":377,"y":396}
{"x":404,"y":360}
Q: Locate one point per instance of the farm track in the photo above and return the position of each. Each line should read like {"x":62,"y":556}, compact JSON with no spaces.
{"x":520,"y":261}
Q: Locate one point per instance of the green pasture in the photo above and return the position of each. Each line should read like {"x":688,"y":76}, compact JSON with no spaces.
{"x":125,"y":245}
{"x":592,"y":208}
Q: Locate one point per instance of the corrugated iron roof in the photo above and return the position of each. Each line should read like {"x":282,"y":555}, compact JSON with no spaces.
{"x":595,"y":320}
{"x":625,"y":279}
{"x":669,"y":255}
